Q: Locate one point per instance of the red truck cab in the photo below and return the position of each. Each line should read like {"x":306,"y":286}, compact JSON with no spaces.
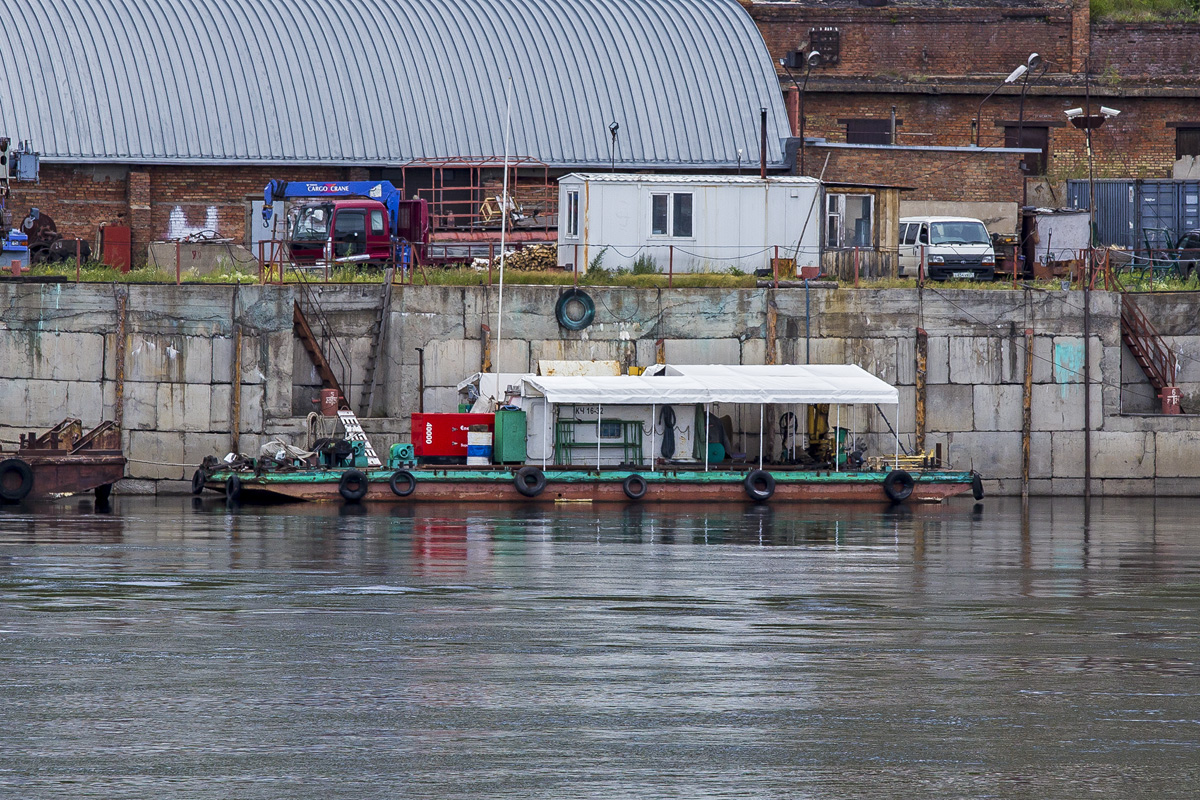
{"x":356,"y":229}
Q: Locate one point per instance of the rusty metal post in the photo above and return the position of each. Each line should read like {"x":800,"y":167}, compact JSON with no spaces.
{"x":1087,"y":378}
{"x":485,"y":336}
{"x":775,"y":271}
{"x":670,"y":268}
{"x":1026,"y":412}
{"x":119,"y":356}
{"x":178,"y":247}
{"x":491,"y":258}
{"x":922,"y":371}
{"x":235,"y":392}
{"x":575,"y":266}
{"x":660,"y":351}
{"x":772,"y":338}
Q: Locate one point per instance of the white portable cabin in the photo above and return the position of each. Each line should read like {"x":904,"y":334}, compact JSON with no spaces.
{"x":611,"y":420}
{"x":687,"y":223}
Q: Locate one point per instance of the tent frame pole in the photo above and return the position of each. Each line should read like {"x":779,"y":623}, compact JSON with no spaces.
{"x":761,"y":418}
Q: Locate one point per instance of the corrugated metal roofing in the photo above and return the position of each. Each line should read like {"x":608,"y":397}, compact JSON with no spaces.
{"x":384,"y":82}
{"x":635,"y":177}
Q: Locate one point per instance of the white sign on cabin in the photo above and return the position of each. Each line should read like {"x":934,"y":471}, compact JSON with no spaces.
{"x":687,"y":223}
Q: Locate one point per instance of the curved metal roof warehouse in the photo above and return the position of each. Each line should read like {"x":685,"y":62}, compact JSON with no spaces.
{"x":387,"y":82}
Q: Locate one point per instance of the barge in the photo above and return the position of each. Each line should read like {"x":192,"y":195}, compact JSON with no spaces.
{"x":62,"y":461}
{"x":619,"y":438}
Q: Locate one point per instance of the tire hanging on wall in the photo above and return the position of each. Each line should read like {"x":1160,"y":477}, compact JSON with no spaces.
{"x":566,"y":301}
{"x":23,"y":486}
{"x":898,"y":485}
{"x":760,"y":484}
{"x":635,"y":487}
{"x":198,"y":479}
{"x":530,"y":481}
{"x":976,"y":485}
{"x":353,"y":485}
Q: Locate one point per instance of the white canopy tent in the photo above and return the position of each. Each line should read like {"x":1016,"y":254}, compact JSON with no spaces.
{"x":836,"y":384}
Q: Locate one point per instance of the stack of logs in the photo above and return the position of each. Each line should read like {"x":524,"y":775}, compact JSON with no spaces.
{"x":533,"y":257}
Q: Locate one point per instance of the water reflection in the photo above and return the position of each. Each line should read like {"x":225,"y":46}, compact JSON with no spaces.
{"x":192,"y":649}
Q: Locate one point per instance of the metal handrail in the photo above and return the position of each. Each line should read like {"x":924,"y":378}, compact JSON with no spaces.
{"x":1162,"y":367}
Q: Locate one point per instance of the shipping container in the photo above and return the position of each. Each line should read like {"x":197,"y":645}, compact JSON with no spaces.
{"x":1140,"y":213}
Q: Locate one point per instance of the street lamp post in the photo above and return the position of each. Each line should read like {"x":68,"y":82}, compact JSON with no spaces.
{"x":1033,"y":62}
{"x":1085,"y":120}
{"x":810,"y":61}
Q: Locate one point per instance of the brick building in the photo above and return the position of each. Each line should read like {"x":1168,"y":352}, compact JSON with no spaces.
{"x":931,"y":67}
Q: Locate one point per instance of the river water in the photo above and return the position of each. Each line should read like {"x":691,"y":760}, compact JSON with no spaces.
{"x":172,"y":649}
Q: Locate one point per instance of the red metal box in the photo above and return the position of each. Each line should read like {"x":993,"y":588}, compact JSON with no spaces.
{"x":445,"y":435}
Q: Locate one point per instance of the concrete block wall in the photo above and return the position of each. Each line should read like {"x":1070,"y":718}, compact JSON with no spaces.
{"x":59,"y":345}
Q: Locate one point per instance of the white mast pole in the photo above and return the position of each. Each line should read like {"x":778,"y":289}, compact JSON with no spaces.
{"x":503,"y":235}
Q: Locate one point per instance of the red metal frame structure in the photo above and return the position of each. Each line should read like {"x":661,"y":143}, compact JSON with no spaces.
{"x":467,"y":215}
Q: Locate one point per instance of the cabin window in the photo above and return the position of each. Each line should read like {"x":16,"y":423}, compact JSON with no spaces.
{"x":849,"y":220}
{"x":377,"y":223}
{"x":572,"y":213}
{"x":681,"y":224}
{"x":658,"y":214}
{"x":610,"y":430}
{"x":671,"y":215}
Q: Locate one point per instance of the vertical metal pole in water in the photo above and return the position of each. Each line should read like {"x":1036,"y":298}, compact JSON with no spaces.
{"x":599,"y":411}
{"x":546,"y":426}
{"x":760,"y":435}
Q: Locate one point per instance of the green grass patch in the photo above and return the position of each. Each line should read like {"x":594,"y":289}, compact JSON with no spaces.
{"x":1146,"y":10}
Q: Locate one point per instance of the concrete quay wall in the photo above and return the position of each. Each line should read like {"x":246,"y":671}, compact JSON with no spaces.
{"x":178,"y":365}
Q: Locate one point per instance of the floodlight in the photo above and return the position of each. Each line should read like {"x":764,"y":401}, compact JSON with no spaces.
{"x":1016,"y":74}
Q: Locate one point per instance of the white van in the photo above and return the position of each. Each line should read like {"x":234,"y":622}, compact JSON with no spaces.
{"x":954,"y":247}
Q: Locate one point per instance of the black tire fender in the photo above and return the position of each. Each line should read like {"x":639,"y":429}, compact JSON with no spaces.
{"x":102,"y":493}
{"x":403,"y":483}
{"x":233,"y":489}
{"x":635,"y":487}
{"x":530,"y":481}
{"x":353,"y":485}
{"x":198,"y":479}
{"x":24,"y":473}
{"x":760,"y":484}
{"x":898,"y":485}
{"x":563,"y":316}
{"x":976,"y":485}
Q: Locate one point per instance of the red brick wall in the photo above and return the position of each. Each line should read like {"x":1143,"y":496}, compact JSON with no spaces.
{"x":943,"y":175}
{"x":897,"y":41}
{"x":81,"y":198}
{"x":1123,"y":50}
{"x":1138,"y":143}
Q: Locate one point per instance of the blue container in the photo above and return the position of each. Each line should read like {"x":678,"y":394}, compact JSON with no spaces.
{"x":15,"y":248}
